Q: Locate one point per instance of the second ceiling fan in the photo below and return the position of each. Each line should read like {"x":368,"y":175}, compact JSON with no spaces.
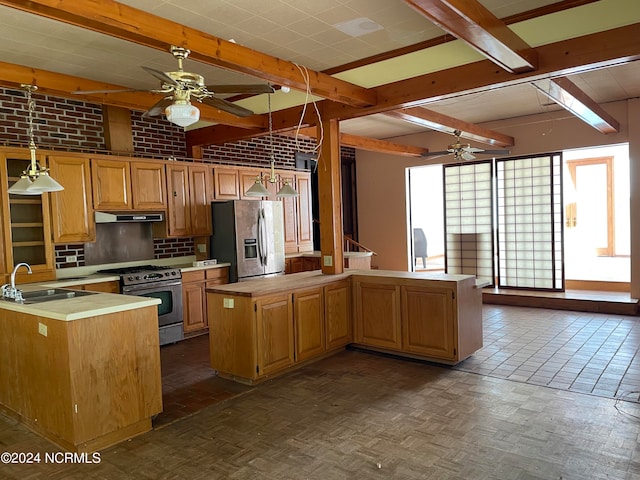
{"x":464,"y":151}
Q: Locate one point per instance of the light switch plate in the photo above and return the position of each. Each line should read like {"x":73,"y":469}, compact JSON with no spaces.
{"x":42,"y":329}
{"x":327,"y":260}
{"x":71,"y":258}
{"x":202,"y":248}
{"x":228,"y":303}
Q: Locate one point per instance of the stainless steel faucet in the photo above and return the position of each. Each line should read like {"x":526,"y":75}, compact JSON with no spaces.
{"x":12,"y":291}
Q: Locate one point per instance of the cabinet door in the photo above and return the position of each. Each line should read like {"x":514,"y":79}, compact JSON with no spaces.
{"x":227,"y":185}
{"x":72,"y":208}
{"x":149,"y":186}
{"x":377,"y":321}
{"x":290,"y":217}
{"x":26,"y":222}
{"x":427,"y":322}
{"x":193,"y":306}
{"x":310,"y":263}
{"x":275,"y":333}
{"x":305,"y":214}
{"x":308,"y":314}
{"x":247,"y":179}
{"x":200,"y":196}
{"x":337,"y":315}
{"x":179,"y":219}
{"x":111,"y":184}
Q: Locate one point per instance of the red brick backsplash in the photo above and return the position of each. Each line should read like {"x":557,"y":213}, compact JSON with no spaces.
{"x":173,"y":247}
{"x":64,"y":251}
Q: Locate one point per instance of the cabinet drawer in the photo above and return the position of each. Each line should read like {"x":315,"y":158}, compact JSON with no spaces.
{"x":195,"y":276}
{"x":217,"y":274}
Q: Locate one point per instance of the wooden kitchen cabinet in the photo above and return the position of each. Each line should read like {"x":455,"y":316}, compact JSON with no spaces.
{"x":226,"y":183}
{"x":247,"y":178}
{"x":377,"y":314}
{"x":72,"y":208}
{"x":194,"y":297}
{"x":428,"y":327}
{"x":337,"y":315}
{"x":309,"y":329}
{"x":148,"y":180}
{"x":111,"y":184}
{"x":275,"y":337}
{"x":305,"y":213}
{"x":26,"y":222}
{"x":290,"y":218}
{"x":189,"y":204}
{"x":104,"y":287}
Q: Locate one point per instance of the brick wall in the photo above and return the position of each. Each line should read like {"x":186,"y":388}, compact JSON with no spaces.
{"x":173,"y":247}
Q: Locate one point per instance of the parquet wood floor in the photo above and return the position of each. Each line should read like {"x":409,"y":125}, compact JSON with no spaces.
{"x":362,"y":416}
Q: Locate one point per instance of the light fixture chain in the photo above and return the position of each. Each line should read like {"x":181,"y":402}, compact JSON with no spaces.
{"x":270,"y":127}
{"x":31,"y":108}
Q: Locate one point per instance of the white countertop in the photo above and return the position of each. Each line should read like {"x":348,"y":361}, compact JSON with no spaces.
{"x":317,"y":254}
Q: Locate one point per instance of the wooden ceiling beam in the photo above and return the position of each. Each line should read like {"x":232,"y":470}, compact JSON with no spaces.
{"x":609,"y":48}
{"x":473,"y":23}
{"x":60,"y":85}
{"x":569,"y":96}
{"x":444,"y":123}
{"x":121,"y":21}
{"x":365,"y":143}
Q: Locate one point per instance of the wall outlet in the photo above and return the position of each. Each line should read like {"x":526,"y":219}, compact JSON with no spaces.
{"x":227,"y":303}
{"x":327,"y":260}
{"x":42,"y":329}
{"x":71,"y":258}
{"x":202,"y":248}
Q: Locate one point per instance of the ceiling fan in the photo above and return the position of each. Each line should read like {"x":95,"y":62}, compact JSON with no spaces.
{"x":464,"y":151}
{"x":180,"y":87}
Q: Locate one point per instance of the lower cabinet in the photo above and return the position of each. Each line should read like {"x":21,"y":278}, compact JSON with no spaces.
{"x":104,"y":287}
{"x":274,"y":319}
{"x":377,"y":321}
{"x":194,"y":297}
{"x":308,"y":314}
{"x":337,"y":315}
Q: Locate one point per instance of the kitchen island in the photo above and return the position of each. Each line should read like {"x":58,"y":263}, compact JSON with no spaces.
{"x":83,"y":372}
{"x":265,"y":327}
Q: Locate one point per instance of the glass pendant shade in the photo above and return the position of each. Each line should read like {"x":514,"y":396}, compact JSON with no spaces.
{"x":182,"y":114}
{"x":44,"y":183}
{"x":257,"y":189}
{"x":21,"y":187}
{"x":286,"y":191}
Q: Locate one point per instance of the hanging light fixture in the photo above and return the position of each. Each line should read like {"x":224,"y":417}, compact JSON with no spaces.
{"x":181,"y":112}
{"x":35,"y":179}
{"x":258,"y":189}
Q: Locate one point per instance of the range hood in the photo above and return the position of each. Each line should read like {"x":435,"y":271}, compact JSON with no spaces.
{"x":127,"y":217}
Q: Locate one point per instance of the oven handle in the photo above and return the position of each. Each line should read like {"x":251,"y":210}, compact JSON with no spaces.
{"x":149,"y":286}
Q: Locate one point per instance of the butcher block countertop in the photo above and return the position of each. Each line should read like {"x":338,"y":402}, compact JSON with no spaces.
{"x":298,"y":281}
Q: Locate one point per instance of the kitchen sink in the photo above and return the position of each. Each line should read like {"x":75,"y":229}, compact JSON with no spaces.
{"x":50,"y":294}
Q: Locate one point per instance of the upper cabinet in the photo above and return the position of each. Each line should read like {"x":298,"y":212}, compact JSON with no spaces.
{"x":72,"y":208}
{"x":26,"y":222}
{"x":305,"y":213}
{"x":111,"y":184}
{"x":226,"y":183}
{"x":190,"y":194}
{"x":148,"y":182}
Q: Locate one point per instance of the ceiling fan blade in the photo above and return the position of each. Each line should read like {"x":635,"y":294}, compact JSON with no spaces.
{"x":472,"y":150}
{"x":158,"y":108}
{"x":163,"y":77}
{"x":256,"y":88}
{"x":226,"y":106}
{"x":435,"y":154}
{"x":495,"y":152}
{"x":467,"y":156}
{"x":91,"y":92}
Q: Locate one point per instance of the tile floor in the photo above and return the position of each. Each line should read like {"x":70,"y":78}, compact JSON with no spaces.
{"x":589,"y":353}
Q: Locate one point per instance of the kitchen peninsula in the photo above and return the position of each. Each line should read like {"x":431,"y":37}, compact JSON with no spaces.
{"x":265,"y":327}
{"x":83,"y":372}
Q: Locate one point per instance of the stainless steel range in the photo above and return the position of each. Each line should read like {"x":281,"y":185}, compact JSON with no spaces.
{"x":155,"y":281}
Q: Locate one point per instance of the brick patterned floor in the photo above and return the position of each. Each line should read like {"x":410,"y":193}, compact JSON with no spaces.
{"x":582,"y":352}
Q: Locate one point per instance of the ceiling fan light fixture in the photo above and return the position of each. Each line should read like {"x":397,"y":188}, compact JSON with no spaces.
{"x":182,"y":113}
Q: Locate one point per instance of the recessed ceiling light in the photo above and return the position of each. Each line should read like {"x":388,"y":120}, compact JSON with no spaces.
{"x":358,"y":27}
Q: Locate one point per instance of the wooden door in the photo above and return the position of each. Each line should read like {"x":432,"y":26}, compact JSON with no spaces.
{"x":227,"y":185}
{"x":193,"y":306}
{"x":111,"y":184}
{"x":308,"y":313}
{"x":290,"y":217}
{"x":148,"y":182}
{"x":246,"y":179}
{"x":179,"y":218}
{"x":275,"y":333}
{"x":200,"y":196}
{"x":427,"y":322}
{"x":305,"y":213}
{"x":72,"y":208}
{"x":337,"y":315}
{"x":377,"y":321}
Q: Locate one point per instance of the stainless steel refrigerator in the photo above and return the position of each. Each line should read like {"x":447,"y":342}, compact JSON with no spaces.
{"x":248,"y":234}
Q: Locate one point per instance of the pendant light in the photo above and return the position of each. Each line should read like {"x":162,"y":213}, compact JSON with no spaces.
{"x":35,"y":180}
{"x":258,"y":189}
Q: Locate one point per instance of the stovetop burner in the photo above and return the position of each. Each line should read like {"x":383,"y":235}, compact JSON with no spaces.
{"x":144,"y":274}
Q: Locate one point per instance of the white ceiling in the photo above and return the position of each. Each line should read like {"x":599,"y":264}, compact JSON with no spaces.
{"x":301,"y":31}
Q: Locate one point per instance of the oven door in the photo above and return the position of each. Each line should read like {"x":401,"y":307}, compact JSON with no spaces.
{"x":169,"y":310}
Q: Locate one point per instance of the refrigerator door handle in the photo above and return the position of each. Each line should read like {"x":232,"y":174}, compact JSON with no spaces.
{"x":263,"y":234}
{"x":260,"y":240}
